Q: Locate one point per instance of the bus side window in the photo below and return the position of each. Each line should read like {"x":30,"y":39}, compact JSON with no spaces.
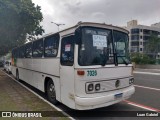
{"x":51,"y":46}
{"x":28,"y":50}
{"x":22,"y":52}
{"x":67,"y":51}
{"x":37,"y":50}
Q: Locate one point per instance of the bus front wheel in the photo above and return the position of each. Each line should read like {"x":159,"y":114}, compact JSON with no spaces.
{"x":51,"y":93}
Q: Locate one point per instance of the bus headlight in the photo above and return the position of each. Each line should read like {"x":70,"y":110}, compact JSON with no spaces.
{"x":90,"y":87}
{"x":97,"y":87}
{"x":131,"y":81}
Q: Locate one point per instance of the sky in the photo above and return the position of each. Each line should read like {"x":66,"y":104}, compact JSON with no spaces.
{"x":115,"y":12}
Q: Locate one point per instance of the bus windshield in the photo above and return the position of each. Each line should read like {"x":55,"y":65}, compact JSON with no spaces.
{"x":96,"y":47}
{"x":121,"y":46}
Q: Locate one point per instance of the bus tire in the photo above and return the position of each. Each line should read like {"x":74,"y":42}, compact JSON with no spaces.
{"x":17,"y":75}
{"x":51,"y":93}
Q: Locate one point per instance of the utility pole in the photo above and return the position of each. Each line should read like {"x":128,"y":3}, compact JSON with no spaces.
{"x":57,"y":25}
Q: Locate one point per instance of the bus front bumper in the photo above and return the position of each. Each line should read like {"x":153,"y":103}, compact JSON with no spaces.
{"x":101,"y":101}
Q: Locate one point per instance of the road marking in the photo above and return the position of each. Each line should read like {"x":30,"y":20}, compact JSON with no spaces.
{"x":58,"y":109}
{"x":147,"y":87}
{"x":148,"y":69}
{"x":142,"y":106}
{"x":148,"y":73}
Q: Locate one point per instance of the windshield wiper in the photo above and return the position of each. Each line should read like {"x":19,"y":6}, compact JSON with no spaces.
{"x":124,"y":61}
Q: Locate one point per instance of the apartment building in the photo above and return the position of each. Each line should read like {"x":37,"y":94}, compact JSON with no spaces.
{"x":156,"y":25}
{"x":139,"y":35}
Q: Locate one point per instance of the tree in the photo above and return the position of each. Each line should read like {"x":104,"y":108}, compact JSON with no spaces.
{"x":153,"y":46}
{"x":19,"y":19}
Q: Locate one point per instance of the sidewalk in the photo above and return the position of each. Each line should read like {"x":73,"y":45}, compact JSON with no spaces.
{"x":14,"y":97}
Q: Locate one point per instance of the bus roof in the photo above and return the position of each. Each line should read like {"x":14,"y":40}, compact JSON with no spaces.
{"x":95,"y":24}
{"x":103,"y":25}
{"x":73,"y":28}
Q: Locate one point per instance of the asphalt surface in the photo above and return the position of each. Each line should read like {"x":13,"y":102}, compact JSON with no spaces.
{"x":145,"y":99}
{"x":147,"y":80}
{"x":147,"y":96}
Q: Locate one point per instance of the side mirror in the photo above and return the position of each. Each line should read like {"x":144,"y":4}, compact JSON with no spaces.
{"x":78,"y":36}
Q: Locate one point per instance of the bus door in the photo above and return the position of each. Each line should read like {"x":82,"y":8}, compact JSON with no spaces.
{"x":67,"y":70}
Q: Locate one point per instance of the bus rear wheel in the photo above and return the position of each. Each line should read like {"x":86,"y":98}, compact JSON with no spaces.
{"x":51,"y":93}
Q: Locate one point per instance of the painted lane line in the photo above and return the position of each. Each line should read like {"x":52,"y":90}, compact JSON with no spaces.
{"x":147,"y":87}
{"x":142,"y":106}
{"x":148,"y":69}
{"x":148,"y":73}
{"x":58,"y":109}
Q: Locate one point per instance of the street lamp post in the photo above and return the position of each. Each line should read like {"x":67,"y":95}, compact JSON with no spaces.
{"x":57,"y":25}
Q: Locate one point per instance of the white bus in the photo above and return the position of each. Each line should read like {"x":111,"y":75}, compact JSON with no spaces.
{"x":84,"y":67}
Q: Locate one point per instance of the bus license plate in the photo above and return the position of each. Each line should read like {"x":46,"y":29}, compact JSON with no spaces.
{"x":119,"y":95}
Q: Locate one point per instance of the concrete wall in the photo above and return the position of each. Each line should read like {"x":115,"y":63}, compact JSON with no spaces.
{"x":148,"y":66}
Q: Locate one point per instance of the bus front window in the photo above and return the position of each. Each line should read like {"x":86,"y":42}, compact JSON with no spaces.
{"x":96,"y":47}
{"x":121,"y":47}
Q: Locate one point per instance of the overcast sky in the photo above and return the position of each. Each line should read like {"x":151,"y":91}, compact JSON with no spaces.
{"x":116,"y":12}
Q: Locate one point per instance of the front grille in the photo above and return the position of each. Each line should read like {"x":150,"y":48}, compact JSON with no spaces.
{"x":109,"y":85}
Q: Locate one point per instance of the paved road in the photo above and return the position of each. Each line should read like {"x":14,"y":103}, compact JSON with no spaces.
{"x":147,"y":90}
{"x":146,"y":98}
{"x":147,"y":80}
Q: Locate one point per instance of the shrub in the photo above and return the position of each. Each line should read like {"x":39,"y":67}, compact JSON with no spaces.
{"x":139,"y":58}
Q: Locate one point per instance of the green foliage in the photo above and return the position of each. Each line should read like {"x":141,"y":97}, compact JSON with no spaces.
{"x":153,"y":46}
{"x":158,"y":61}
{"x":139,"y":58}
{"x":19,"y":19}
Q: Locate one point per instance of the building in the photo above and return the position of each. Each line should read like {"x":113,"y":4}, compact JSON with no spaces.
{"x":156,"y":25}
{"x":139,"y":35}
